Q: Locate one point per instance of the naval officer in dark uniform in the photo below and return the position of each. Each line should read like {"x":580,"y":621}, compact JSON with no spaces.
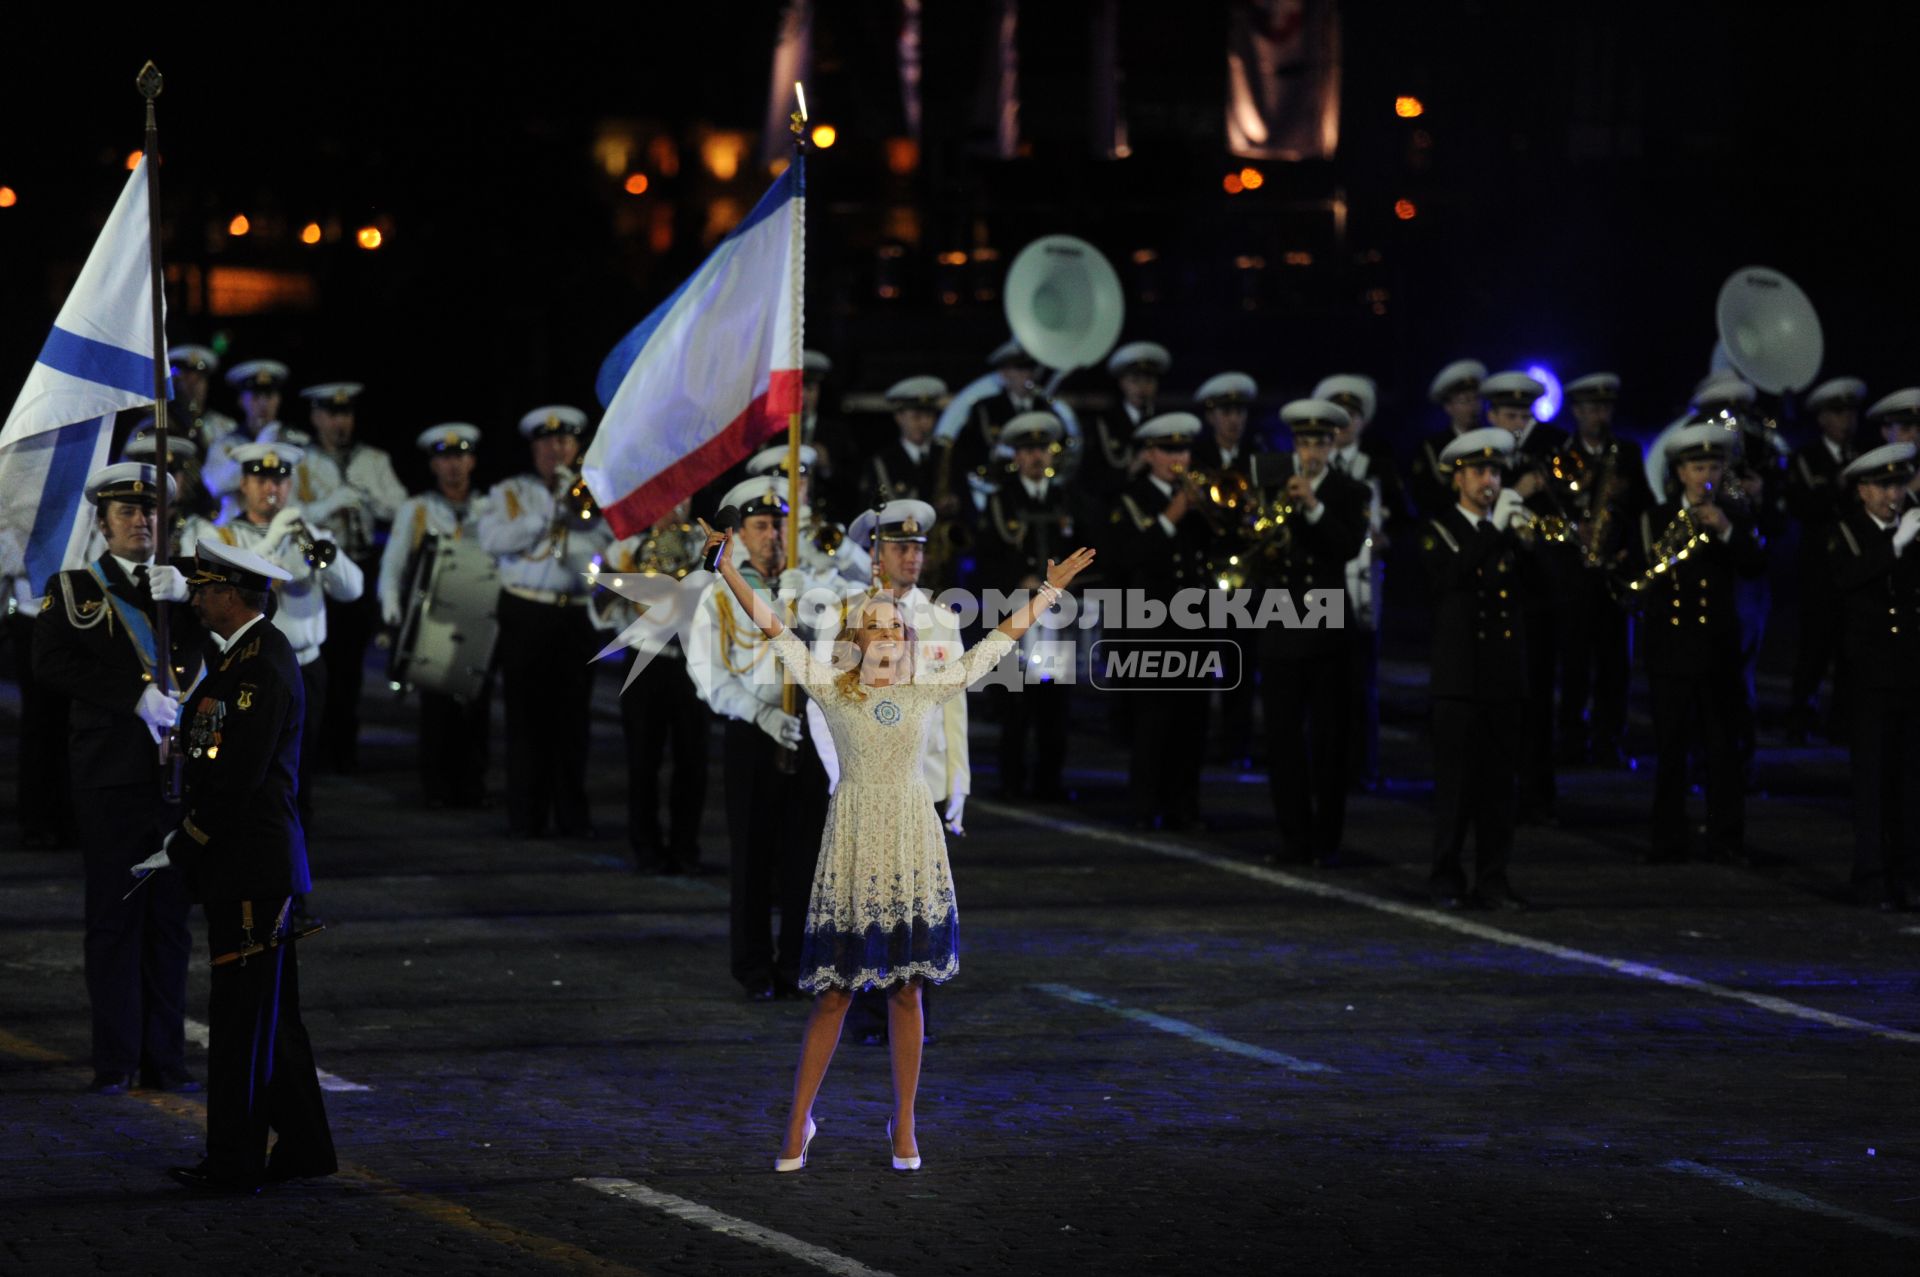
{"x":1691,"y":636}
{"x":243,"y":854}
{"x":1306,"y":673}
{"x":1481,"y":566}
{"x":1875,"y":571}
{"x":95,"y":642}
{"x":1817,"y":499}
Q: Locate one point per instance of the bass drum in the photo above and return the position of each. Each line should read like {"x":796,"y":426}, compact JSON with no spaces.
{"x":446,"y":639}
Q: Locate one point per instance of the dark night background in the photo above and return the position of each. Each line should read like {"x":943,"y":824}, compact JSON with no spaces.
{"x":1588,"y":177}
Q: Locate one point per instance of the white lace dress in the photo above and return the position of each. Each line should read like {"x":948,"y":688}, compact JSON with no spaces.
{"x":882,"y":909}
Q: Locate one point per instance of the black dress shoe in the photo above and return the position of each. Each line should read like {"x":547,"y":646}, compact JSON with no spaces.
{"x":179,"y":1081}
{"x":110,"y":1084}
{"x":202,"y":1180}
{"x":1501,"y":898}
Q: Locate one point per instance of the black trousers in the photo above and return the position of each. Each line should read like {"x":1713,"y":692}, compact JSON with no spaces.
{"x":774,"y":824}
{"x":45,"y":790}
{"x":1537,"y":787}
{"x":546,"y":679}
{"x":260,"y":1072}
{"x":314,"y":677}
{"x":661,"y":714}
{"x":350,"y":628}
{"x":454,"y":747}
{"x":1169,"y":745}
{"x":1038,"y":710}
{"x":136,"y":949}
{"x":1704,"y":713}
{"x":1594,"y":665}
{"x":1886,"y":800}
{"x":1306,"y":699}
{"x":1236,"y":710}
{"x":1363,"y":698}
{"x":1822,"y":645}
{"x":1475,"y":751}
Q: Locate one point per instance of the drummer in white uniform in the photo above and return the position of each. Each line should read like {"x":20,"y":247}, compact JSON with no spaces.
{"x":453,"y":734}
{"x":271,"y":525}
{"x":544,"y":538}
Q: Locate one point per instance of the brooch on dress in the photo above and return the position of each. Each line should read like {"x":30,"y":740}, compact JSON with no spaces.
{"x":886,"y":713}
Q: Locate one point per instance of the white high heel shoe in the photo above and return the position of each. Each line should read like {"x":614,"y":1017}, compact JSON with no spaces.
{"x":900,"y":1163}
{"x":795,"y":1163}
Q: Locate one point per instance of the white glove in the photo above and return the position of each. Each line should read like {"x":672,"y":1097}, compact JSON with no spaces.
{"x":777,"y":723}
{"x":390,"y":612}
{"x":158,"y":860}
{"x":956,"y":807}
{"x":793,"y":583}
{"x":1508,"y":504}
{"x":1906,"y":530}
{"x":167,"y":584}
{"x":564,"y":477}
{"x":282,"y":525}
{"x":158,"y":711}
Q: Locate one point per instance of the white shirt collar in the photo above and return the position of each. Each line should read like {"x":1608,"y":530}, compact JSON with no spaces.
{"x":1890,"y":523}
{"x":1833,"y":449}
{"x":1520,"y":440}
{"x":226,"y":644}
{"x":1473,"y":516}
{"x":128,"y":565}
{"x":1135,"y":413}
{"x":1166,"y":489}
{"x":1227,"y":455}
{"x":916,"y":452}
{"x":1036,"y":488}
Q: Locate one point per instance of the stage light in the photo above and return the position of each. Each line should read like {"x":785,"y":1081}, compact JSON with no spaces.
{"x":239,"y":225}
{"x":1405,"y":210}
{"x":133,"y":160}
{"x":8,"y":197}
{"x":310,"y":233}
{"x":1547,"y":406}
{"x":825,"y":135}
{"x":1252,"y":179}
{"x":1409,"y":108}
{"x":1232,"y":184}
{"x":903,"y":155}
{"x":637,"y":184}
{"x":721,"y":153}
{"x":369,"y":237}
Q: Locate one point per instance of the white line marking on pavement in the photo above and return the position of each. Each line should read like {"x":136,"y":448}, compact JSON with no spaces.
{"x":198,"y":1033}
{"x":1797,"y":1201}
{"x":728,"y":1226}
{"x":1192,"y":1032}
{"x":1447,"y":921}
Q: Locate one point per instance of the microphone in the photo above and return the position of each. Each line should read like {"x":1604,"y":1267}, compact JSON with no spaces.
{"x":726,"y":520}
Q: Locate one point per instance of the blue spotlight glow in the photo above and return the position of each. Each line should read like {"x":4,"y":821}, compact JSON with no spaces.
{"x":1547,"y":406}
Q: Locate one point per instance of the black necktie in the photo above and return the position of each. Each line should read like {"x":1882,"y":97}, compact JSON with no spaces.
{"x":140,"y":580}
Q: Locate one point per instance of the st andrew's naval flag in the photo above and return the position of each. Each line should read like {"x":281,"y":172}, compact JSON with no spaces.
{"x":710,"y":374}
{"x":97,"y":361}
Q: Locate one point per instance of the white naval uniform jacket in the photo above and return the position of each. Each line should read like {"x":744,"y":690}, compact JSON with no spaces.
{"x":946,"y":763}
{"x":220,"y":472}
{"x":418,"y":518}
{"x":301,"y":614}
{"x":617,"y":612}
{"x":515,"y":526}
{"x":366,"y":469}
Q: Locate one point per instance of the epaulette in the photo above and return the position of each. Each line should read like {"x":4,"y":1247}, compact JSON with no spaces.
{"x":1852,"y":542}
{"x":1141,"y":520}
{"x":1440,"y":530}
{"x":82,"y":614}
{"x":1009,"y":529}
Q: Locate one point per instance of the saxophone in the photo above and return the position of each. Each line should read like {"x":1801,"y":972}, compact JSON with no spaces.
{"x":1600,"y":511}
{"x":940,"y":542}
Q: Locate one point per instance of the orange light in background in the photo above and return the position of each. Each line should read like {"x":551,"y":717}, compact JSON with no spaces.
{"x":1298,"y":257}
{"x":903,"y":155}
{"x":825,"y":135}
{"x":1232,"y":184}
{"x":955,"y":258}
{"x":637,"y":184}
{"x":1409,"y":108}
{"x":778,"y":167}
{"x":239,"y":225}
{"x":1252,"y":179}
{"x":660,"y":231}
{"x":1405,"y":210}
{"x":664,"y":156}
{"x":721,"y":153}
{"x":369,"y":237}
{"x":1141,"y":256}
{"x":8,"y":197}
{"x":310,"y":233}
{"x":133,"y":159}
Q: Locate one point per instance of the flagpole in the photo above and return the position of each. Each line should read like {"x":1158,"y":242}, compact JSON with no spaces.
{"x":789,"y":694}
{"x":149,"y":83}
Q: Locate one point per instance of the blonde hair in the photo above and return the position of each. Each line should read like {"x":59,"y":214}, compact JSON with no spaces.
{"x":846,"y":649}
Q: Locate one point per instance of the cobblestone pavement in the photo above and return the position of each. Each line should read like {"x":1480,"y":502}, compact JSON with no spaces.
{"x":1161,"y":1056}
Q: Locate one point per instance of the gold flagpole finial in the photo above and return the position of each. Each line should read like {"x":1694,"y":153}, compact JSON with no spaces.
{"x":149,"y":81}
{"x":799,"y":125}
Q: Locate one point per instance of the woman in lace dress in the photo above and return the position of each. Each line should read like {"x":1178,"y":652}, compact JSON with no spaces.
{"x":882,"y":912}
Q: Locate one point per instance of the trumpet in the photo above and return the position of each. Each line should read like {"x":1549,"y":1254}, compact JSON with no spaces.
{"x":319,"y":554}
{"x":1673,"y":545}
{"x":1223,"y":496}
{"x":576,"y":503}
{"x":1546,"y":527}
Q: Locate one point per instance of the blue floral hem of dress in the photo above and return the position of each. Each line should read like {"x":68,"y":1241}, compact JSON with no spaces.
{"x":877,"y":957}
